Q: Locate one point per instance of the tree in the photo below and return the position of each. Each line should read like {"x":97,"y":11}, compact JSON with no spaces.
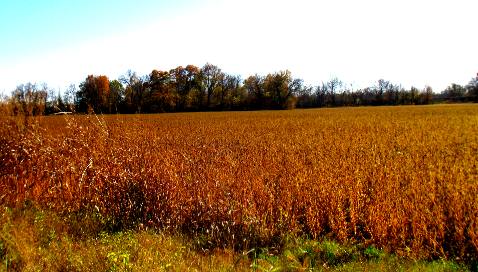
{"x":164,"y":96}
{"x":386,"y":93}
{"x":94,"y":94}
{"x":454,"y":92}
{"x":330,"y":88}
{"x":254,"y":86}
{"x":29,"y":100}
{"x":321,"y":95}
{"x":178,"y":81}
{"x":305,"y":97}
{"x":211,"y":76}
{"x":184,"y":81}
{"x":69,"y":97}
{"x":472,"y":89}
{"x":229,"y":93}
{"x":295,"y":87}
{"x":116,"y":97}
{"x":427,"y":95}
{"x":334,"y":85}
{"x":280,"y":87}
{"x":134,"y":93}
{"x":193,"y":83}
{"x":414,"y":95}
{"x":56,"y":104}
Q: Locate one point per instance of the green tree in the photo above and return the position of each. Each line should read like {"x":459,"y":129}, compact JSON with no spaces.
{"x":193,"y":83}
{"x":211,"y":77}
{"x":254,"y":86}
{"x":472,"y":89}
{"x":454,"y":92}
{"x":281,"y":89}
{"x":230,"y":93}
{"x":116,"y":97}
{"x":184,"y":80}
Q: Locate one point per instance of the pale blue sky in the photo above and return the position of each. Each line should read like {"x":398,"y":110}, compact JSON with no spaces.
{"x":409,"y":41}
{"x":30,"y":27}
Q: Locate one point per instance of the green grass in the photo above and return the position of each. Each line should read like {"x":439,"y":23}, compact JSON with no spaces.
{"x":37,"y":240}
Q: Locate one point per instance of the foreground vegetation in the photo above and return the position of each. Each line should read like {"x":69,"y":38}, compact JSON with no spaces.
{"x":35,"y":240}
{"x":281,"y":188}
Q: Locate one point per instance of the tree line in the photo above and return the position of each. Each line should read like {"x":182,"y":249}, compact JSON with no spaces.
{"x":208,"y":88}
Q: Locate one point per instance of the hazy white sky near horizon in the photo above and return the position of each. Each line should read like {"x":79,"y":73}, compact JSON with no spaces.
{"x":411,"y":42}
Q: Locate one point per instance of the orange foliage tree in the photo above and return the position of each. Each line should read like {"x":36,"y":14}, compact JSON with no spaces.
{"x":93,"y":94}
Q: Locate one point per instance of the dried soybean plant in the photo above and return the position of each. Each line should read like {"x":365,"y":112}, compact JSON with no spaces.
{"x":401,"y":178}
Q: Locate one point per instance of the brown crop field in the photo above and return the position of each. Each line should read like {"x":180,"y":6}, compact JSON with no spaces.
{"x":404,"y":179}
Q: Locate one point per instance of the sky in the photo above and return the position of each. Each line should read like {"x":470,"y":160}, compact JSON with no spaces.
{"x":409,"y":42}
